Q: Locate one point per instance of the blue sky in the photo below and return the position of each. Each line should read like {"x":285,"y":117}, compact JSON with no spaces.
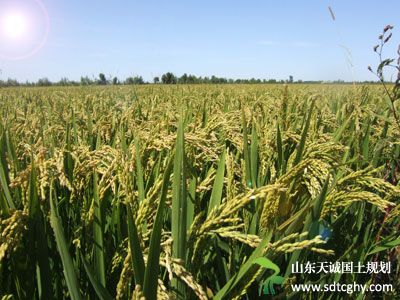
{"x":235,"y":39}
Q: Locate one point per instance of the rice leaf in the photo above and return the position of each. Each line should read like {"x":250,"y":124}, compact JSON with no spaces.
{"x":300,"y":147}
{"x":101,"y":292}
{"x":246,"y":153}
{"x":179,"y":204}
{"x":62,"y":246}
{"x":279,"y":149}
{"x":152,"y":269}
{"x":218,"y":186}
{"x":248,"y":266}
{"x":98,"y":234}
{"x":254,"y":156}
{"x":136,"y":251}
{"x":139,"y":171}
{"x":385,"y":246}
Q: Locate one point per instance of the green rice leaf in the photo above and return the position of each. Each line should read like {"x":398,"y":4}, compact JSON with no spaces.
{"x":152,"y":269}
{"x":218,"y":186}
{"x":101,"y":292}
{"x":62,"y":246}
{"x":136,"y":251}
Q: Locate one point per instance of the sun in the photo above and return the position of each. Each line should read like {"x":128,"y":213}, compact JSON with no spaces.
{"x":14,"y":25}
{"x":24,"y":28}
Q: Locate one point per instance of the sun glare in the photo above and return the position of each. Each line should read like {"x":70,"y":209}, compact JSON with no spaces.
{"x":24,"y":28}
{"x":14,"y":25}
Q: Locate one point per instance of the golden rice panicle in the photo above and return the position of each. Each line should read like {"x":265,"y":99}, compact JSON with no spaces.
{"x":12,"y":232}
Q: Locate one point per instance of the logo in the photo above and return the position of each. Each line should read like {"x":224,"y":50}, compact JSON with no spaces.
{"x":267,"y":286}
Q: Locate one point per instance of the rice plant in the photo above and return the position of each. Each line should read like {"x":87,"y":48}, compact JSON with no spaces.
{"x":184,"y":192}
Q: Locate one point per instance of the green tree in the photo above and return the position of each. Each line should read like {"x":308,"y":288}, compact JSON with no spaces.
{"x":86,"y":80}
{"x":44,"y":82}
{"x":102,"y":79}
{"x":129,"y":80}
{"x":135,"y":80}
{"x":64,"y":82}
{"x":191,"y":79}
{"x":11,"y":82}
{"x":138,"y":80}
{"x":168,"y":78}
{"x":183,"y":78}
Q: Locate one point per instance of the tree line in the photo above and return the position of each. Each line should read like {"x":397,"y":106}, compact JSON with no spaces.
{"x":167,"y":78}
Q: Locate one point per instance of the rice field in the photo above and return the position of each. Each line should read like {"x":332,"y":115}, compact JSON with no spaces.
{"x":176,"y":191}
